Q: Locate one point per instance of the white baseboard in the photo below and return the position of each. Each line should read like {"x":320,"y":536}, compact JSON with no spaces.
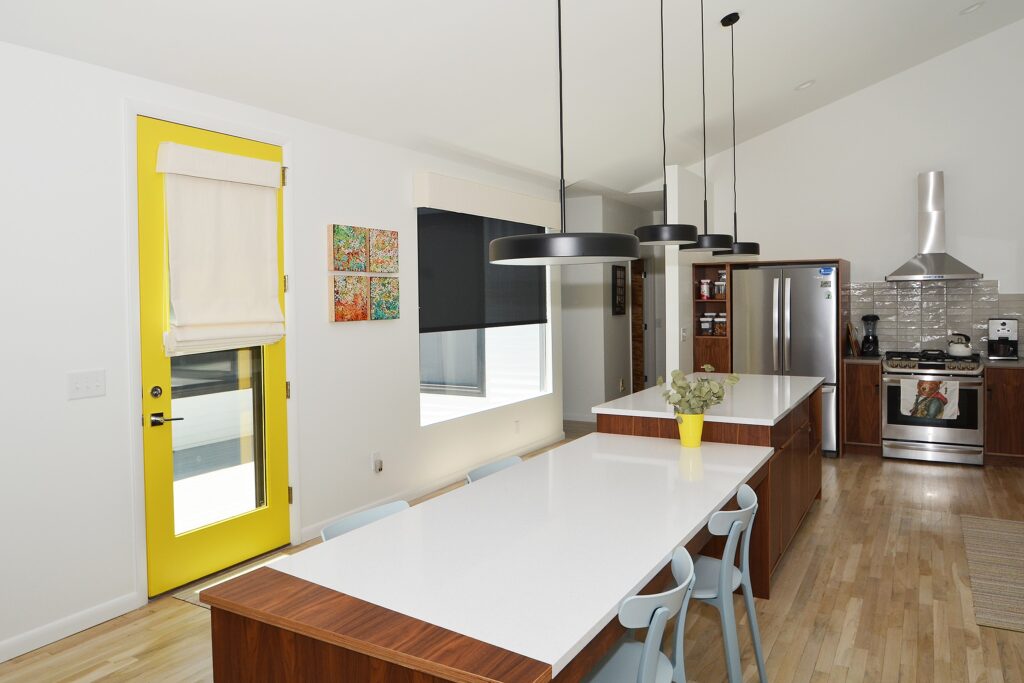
{"x":312,"y":531}
{"x":69,"y":625}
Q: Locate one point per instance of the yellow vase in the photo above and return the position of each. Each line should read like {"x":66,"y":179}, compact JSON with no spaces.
{"x":690,"y":429}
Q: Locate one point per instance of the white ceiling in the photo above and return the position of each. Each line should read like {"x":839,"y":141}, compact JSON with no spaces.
{"x":477,"y":78}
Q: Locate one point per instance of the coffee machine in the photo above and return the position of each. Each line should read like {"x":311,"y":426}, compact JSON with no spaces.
{"x":1002,"y":339}
{"x":869,"y":345}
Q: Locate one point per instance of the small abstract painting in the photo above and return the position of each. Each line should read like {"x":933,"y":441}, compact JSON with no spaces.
{"x":383,"y":251}
{"x":351,"y":298}
{"x":384,"y":298}
{"x":349,"y":248}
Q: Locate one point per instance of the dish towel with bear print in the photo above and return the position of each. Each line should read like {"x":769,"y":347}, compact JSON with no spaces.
{"x":932,"y":400}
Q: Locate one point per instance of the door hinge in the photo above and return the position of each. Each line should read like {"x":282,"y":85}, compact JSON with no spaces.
{"x":643,"y":275}
{"x":286,"y":283}
{"x":645,"y":327}
{"x":288,"y":389}
{"x":645,"y":379}
{"x":290,"y":497}
{"x":284,"y":176}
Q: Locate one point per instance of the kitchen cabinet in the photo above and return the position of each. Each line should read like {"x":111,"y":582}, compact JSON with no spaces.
{"x":1004,"y":429}
{"x":862,"y":389}
{"x":795,"y":475}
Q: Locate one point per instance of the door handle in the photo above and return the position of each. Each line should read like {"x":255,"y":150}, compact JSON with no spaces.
{"x":775,"y":325}
{"x":787,"y":340}
{"x":157,"y":419}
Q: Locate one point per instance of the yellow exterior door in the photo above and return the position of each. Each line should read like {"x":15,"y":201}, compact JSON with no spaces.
{"x":214,"y":430}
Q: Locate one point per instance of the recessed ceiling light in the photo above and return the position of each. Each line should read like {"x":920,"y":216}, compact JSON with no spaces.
{"x":972,"y":8}
{"x":805,"y":85}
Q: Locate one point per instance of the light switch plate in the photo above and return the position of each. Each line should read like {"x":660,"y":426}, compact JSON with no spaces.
{"x":87,"y":384}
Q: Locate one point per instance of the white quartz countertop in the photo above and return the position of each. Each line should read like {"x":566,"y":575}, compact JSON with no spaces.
{"x":537,"y":558}
{"x":755,"y":400}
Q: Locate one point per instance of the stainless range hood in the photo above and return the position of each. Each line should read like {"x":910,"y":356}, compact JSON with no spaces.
{"x":932,"y":263}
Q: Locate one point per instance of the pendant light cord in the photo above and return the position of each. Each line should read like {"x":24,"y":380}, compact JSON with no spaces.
{"x":561,"y":126}
{"x":704,"y":116}
{"x":732,"y":51}
{"x":664,"y":139}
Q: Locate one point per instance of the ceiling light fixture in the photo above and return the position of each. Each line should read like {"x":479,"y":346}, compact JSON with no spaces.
{"x":738,"y":248}
{"x":665,"y":233}
{"x":563,"y":248}
{"x":805,"y":85}
{"x":971,"y":9}
{"x":705,"y":241}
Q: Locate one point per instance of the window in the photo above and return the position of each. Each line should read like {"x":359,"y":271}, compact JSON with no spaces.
{"x":483,"y":328}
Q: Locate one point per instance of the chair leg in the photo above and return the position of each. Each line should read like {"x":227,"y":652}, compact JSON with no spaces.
{"x":678,"y":665}
{"x":755,"y":631}
{"x":729,"y":635}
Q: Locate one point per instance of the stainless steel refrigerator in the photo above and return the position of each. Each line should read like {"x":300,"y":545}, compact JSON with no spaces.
{"x":786,"y":322}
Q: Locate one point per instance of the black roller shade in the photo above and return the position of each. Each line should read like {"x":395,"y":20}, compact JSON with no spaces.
{"x":460,"y":289}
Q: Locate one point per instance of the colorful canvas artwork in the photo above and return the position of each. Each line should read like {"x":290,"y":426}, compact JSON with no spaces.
{"x":349,"y":248}
{"x":383,"y":251}
{"x":384,"y":298}
{"x":351,"y":297}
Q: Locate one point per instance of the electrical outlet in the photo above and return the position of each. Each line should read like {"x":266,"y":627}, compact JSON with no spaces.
{"x":376,"y":462}
{"x":515,"y":425}
{"x":88,"y":384}
{"x":622,"y":384}
{"x":684,"y":332}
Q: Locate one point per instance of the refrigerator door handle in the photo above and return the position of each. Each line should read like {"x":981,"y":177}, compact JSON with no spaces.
{"x":775,"y":324}
{"x":787,"y":346}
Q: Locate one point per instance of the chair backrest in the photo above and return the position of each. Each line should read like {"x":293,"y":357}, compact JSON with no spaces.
{"x":736,"y":525}
{"x":492,"y":467}
{"x":361,"y":518}
{"x":653,"y":612}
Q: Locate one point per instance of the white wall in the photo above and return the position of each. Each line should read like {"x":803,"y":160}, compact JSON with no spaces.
{"x":582,"y":318}
{"x":597,"y":343}
{"x":842,"y":180}
{"x":71,"y":484}
{"x":685,"y":205}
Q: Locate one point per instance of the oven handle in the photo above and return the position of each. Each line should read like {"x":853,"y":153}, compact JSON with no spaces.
{"x":966,"y":381}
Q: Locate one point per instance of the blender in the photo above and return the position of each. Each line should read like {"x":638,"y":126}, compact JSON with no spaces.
{"x":869,"y":345}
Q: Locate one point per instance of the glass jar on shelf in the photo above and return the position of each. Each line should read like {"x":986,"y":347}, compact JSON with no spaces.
{"x":705,"y":289}
{"x":720,"y":289}
{"x":720,"y":325}
{"x":707,"y":326}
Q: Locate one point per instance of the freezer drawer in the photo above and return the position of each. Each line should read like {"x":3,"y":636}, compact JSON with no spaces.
{"x":829,"y":418}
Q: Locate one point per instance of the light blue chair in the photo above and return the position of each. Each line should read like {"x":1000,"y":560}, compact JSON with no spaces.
{"x":715,"y":580}
{"x":492,"y":467}
{"x":644,"y":662}
{"x":361,"y":518}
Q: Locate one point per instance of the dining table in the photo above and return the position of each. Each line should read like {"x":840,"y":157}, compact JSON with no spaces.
{"x":515,"y":578}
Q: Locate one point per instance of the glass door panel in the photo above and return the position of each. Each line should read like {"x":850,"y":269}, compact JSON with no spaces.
{"x":217,"y":440}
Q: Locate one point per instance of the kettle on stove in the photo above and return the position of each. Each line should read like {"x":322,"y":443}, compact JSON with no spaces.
{"x":960,"y":345}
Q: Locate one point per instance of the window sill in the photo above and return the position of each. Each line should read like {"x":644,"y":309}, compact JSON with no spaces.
{"x":437,"y":408}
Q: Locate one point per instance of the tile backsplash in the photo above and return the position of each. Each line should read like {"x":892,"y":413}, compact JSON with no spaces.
{"x":922,"y":315}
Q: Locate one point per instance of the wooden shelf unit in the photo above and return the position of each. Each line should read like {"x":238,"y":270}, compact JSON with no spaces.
{"x":714,"y":350}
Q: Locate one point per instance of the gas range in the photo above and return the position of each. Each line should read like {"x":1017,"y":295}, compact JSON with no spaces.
{"x":931,"y":362}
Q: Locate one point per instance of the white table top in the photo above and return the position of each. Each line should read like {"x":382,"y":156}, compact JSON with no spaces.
{"x":537,"y":558}
{"x":756,"y":400}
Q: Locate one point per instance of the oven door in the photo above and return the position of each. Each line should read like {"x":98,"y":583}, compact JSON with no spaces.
{"x":965,"y":429}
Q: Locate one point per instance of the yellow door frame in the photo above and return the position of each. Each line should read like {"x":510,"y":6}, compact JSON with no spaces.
{"x":174,"y":560}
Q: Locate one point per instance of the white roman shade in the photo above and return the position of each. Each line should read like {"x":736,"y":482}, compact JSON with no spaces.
{"x":222,"y":244}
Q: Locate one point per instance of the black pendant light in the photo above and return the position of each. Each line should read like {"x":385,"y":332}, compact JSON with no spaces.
{"x":738,"y":248}
{"x":563,"y":248}
{"x":665,"y":233}
{"x":706,"y":241}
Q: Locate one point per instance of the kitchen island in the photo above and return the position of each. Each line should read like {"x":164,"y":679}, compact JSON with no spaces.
{"x":761,"y":410}
{"x":516,"y":578}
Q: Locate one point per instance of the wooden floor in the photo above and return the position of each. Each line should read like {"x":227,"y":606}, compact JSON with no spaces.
{"x":874,"y":588}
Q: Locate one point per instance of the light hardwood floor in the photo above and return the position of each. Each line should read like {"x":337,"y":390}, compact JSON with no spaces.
{"x":874,"y":588}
